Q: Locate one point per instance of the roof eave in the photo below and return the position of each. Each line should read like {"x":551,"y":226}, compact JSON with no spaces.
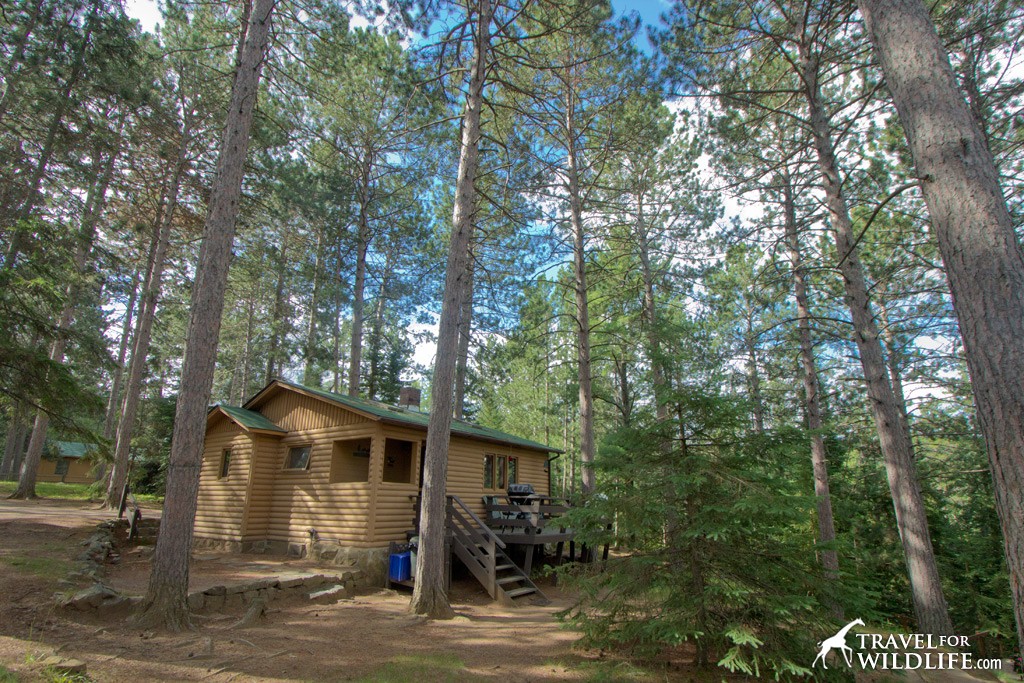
{"x":476,"y":437}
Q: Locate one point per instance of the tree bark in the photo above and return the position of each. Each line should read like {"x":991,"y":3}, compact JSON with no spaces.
{"x":650,"y":315}
{"x":336,"y":345}
{"x":92,"y":210}
{"x":110,"y":419}
{"x":277,"y":315}
{"x":373,"y":384}
{"x":144,"y":329}
{"x":308,"y":376}
{"x":165,"y":602}
{"x":465,"y":335}
{"x":46,"y":154}
{"x":14,"y":441}
{"x":754,"y":375}
{"x":983,"y":258}
{"x":430,"y":596}
{"x":812,"y":404}
{"x":588,"y":448}
{"x":359,"y":289}
{"x":929,"y":601}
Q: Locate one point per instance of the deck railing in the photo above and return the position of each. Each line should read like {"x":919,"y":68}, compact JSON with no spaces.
{"x":532,"y":516}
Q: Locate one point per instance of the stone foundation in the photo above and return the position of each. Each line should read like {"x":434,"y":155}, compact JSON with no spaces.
{"x":372,"y":563}
{"x":216,"y":545}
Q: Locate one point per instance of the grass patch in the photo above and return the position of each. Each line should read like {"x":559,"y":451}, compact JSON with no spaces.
{"x":7,"y":676}
{"x":420,"y":668}
{"x":608,"y":671}
{"x":52,"y":489}
{"x":51,"y":675}
{"x":62,"y":491}
{"x":43,"y":567}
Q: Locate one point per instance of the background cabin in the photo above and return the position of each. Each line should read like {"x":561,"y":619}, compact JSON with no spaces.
{"x":70,"y":462}
{"x":297,"y":469}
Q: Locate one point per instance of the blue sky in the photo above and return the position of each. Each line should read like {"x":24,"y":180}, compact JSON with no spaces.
{"x":649,"y":10}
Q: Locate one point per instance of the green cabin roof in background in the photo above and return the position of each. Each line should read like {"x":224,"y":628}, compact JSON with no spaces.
{"x":73,"y":449}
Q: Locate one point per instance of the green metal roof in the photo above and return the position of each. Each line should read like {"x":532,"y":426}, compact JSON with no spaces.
{"x":250,"y":419}
{"x":414,"y":418}
{"x":73,"y":449}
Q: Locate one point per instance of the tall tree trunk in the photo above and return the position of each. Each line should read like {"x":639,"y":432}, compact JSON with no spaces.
{"x":754,"y":375}
{"x":359,"y":289}
{"x":336,"y":345}
{"x":588,"y":448}
{"x":94,"y":205}
{"x":926,"y":589}
{"x":22,"y":34}
{"x":893,"y":356}
{"x":430,"y":596}
{"x":309,"y":369}
{"x":247,"y":352}
{"x":165,"y":601}
{"x":14,"y":441}
{"x":465,"y":335}
{"x":983,"y":258}
{"x":144,"y":328}
{"x":114,"y":400}
{"x":277,"y":315}
{"x":32,"y":190}
{"x":377,"y":332}
{"x":650,"y":314}
{"x":812,"y":404}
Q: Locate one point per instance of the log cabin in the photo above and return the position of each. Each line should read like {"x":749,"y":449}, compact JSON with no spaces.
{"x":71,"y":462}
{"x":304,"y":471}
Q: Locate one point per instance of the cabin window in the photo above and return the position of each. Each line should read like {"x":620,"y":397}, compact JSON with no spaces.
{"x":61,"y":467}
{"x":398,"y":457}
{"x":298,"y":458}
{"x":500,"y":471}
{"x":488,"y":471}
{"x":500,"y":464}
{"x":350,"y":461}
{"x":225,"y":463}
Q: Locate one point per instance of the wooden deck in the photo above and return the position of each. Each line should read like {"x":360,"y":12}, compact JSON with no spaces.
{"x":533,"y":522}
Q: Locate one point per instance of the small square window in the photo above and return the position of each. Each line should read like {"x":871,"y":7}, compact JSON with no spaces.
{"x":298,"y":458}
{"x":225,"y":463}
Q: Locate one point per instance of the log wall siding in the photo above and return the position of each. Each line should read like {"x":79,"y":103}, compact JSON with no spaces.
{"x":291,"y":502}
{"x":221,"y":503}
{"x":265,"y":501}
{"x":294,"y":411}
{"x":79,"y":471}
{"x":395,"y":513}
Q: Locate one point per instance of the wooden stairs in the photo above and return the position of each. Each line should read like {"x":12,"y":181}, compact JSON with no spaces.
{"x":473,"y":542}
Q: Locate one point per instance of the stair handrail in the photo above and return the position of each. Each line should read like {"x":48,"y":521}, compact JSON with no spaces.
{"x":483,"y":529}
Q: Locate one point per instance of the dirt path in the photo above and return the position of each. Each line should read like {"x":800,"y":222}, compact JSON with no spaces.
{"x":370,"y":637}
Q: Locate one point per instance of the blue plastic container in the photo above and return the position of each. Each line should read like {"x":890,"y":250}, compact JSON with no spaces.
{"x":400,"y":566}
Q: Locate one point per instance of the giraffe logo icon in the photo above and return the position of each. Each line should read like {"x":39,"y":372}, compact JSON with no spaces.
{"x":837,"y":642}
